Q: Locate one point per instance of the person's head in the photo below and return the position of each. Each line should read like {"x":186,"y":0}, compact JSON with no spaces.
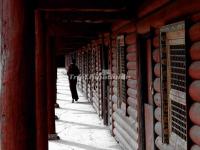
{"x":73,"y":61}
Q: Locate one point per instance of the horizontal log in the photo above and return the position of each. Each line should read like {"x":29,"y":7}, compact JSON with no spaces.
{"x":157,"y":114}
{"x":157,"y":99}
{"x":84,"y":91}
{"x":115,"y":91}
{"x":114,"y":83}
{"x":132,"y":102}
{"x":156,"y":42}
{"x":132,"y":112}
{"x":194,"y":90}
{"x":195,"y":147}
{"x":131,"y":65}
{"x":156,"y":55}
{"x":110,"y":118}
{"x":131,"y":57}
{"x":132,"y":74}
{"x":123,"y":107}
{"x":194,"y":32}
{"x":131,"y":48}
{"x":95,"y":94}
{"x":115,"y":107}
{"x":120,"y":139}
{"x":195,"y":113}
{"x":132,"y":83}
{"x":158,"y":128}
{"x":156,"y":84}
{"x":114,"y":62}
{"x":132,"y":93}
{"x":114,"y":69}
{"x":157,"y":70}
{"x":195,"y":134}
{"x":119,"y":24}
{"x":162,"y":146}
{"x":195,"y":51}
{"x":128,"y":28}
{"x":152,"y":6}
{"x":114,"y":99}
{"x":133,"y":123}
{"x":133,"y":144}
{"x":96,"y":107}
{"x":128,"y":119}
{"x":126,"y":124}
{"x":194,"y":70}
{"x":130,"y":39}
{"x":96,"y":101}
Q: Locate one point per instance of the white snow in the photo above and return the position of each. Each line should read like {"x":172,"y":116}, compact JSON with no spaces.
{"x":79,"y":127}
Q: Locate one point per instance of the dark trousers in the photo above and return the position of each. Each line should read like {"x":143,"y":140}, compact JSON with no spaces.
{"x":72,"y":85}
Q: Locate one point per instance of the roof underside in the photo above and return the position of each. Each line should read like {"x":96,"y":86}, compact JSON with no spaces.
{"x":73,"y":23}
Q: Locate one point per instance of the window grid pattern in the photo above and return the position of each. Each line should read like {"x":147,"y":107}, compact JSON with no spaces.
{"x":178,"y":90}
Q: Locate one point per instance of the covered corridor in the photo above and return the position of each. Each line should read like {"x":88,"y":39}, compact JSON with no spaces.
{"x":139,"y":64}
{"x":79,"y":126}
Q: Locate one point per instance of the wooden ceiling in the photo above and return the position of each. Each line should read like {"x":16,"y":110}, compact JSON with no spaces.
{"x":74,"y":23}
{"x":95,"y":4}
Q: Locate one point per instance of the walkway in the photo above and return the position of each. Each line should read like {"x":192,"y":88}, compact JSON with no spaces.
{"x":79,"y":126}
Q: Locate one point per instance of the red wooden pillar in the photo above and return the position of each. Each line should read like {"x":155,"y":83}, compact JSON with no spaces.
{"x":51,"y":89}
{"x":17,"y":108}
{"x":41,"y":94}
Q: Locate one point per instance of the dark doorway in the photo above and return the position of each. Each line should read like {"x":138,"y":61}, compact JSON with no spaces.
{"x":145,"y":102}
{"x":105,"y":85}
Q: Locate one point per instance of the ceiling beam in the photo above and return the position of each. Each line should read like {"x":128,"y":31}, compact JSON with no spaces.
{"x":77,"y":29}
{"x":86,"y":16}
{"x":59,"y":4}
{"x":85,"y":10}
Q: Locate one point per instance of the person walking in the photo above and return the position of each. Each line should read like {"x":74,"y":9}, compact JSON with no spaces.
{"x":72,"y":73}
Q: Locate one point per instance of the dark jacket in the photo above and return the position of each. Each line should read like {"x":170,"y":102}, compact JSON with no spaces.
{"x":73,"y":71}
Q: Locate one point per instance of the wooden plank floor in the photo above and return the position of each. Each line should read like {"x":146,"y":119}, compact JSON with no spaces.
{"x":79,"y":126}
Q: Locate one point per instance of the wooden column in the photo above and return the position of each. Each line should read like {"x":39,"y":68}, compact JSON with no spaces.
{"x":56,"y":105}
{"x":41,"y":96}
{"x":51,"y":89}
{"x":17,"y":108}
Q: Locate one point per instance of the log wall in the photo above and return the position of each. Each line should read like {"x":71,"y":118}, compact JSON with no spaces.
{"x":157,"y":96}
{"x":107,"y":43}
{"x":194,"y":89}
{"x":125,"y":127}
{"x":123,"y":120}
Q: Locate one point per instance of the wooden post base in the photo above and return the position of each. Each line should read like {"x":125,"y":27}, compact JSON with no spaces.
{"x":56,"y":105}
{"x":56,"y":117}
{"x":53,"y":137}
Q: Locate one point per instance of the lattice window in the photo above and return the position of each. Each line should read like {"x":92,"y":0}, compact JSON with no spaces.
{"x":121,"y":69}
{"x":173,"y":85}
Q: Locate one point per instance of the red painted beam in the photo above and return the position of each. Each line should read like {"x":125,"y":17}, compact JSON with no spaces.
{"x":41,"y":97}
{"x":51,"y":87}
{"x":17,"y":97}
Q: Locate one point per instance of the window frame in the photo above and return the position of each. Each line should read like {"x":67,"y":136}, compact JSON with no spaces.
{"x":121,"y":51}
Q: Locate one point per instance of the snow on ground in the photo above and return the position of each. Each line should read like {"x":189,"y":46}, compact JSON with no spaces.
{"x":79,"y":127}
